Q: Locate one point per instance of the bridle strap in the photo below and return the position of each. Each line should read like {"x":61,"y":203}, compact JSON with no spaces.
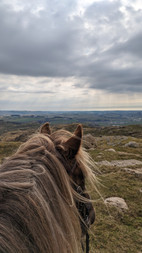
{"x":87,"y":242}
{"x":80,"y":191}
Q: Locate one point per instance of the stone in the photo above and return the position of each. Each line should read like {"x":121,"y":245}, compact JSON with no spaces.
{"x":132,"y":144}
{"x":111,"y":150}
{"x":89,"y":141}
{"x":137,"y":172}
{"x":117,"y":202}
{"x":120,"y":163}
{"x":99,"y":156}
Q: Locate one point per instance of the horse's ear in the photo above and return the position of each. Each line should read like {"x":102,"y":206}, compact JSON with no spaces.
{"x":73,"y":144}
{"x":45,"y":129}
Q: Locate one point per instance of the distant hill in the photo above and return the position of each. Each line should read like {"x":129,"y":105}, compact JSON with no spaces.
{"x":90,"y":118}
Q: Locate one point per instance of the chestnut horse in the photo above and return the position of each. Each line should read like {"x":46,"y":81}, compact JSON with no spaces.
{"x":44,"y":206}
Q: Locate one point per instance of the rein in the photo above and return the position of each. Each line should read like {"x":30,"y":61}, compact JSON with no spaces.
{"x":87,"y":242}
{"x":84,"y":212}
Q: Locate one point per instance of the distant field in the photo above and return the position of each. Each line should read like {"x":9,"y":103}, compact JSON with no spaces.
{"x":114,"y":231}
{"x":92,"y":118}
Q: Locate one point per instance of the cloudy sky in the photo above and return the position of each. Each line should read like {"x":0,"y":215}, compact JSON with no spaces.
{"x":70,"y":54}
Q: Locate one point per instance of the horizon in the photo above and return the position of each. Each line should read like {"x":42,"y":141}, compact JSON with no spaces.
{"x":101,"y":110}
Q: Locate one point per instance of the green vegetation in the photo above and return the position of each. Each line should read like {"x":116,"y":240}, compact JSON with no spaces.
{"x":115,"y":231}
{"x":7,"y":148}
{"x":90,"y":118}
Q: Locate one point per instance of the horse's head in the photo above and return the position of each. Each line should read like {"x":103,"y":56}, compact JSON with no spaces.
{"x":69,"y":151}
{"x":43,"y":196}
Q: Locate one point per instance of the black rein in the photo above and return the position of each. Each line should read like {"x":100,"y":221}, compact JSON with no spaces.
{"x":84,"y":212}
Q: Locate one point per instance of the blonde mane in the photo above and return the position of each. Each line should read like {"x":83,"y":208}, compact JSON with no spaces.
{"x":37,"y":200}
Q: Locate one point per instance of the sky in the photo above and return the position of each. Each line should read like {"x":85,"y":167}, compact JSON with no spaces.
{"x":70,"y":55}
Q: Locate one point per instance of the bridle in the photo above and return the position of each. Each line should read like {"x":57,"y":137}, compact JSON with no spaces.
{"x":83,"y":210}
{"x":84,"y":213}
{"x":81,"y":206}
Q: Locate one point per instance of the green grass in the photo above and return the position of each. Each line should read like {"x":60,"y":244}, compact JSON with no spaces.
{"x":7,"y":149}
{"x":114,"y":230}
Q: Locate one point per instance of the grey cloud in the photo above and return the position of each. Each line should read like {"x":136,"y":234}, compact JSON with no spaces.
{"x":103,"y":75}
{"x":104,"y":11}
{"x":52,"y":44}
{"x":7,"y":89}
{"x":40,"y":48}
{"x":132,"y":46}
{"x":118,"y":81}
{"x":27,"y":92}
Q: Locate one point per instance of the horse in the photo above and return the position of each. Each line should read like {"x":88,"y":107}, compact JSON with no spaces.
{"x":44,"y":205}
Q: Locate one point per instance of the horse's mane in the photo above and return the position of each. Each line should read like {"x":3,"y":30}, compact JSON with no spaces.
{"x":37,"y":201}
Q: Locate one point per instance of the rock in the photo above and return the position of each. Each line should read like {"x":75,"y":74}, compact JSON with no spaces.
{"x":120,"y":163}
{"x":117,"y":202}
{"x":22,"y":137}
{"x":137,"y":172}
{"x":89,"y":141}
{"x":103,"y":163}
{"x":17,"y":136}
{"x":91,"y":148}
{"x":110,"y":150}
{"x":132,"y":144}
{"x":130,"y":154}
{"x":99,"y":156}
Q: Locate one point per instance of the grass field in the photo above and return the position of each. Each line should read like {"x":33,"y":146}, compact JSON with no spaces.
{"x":115,"y":231}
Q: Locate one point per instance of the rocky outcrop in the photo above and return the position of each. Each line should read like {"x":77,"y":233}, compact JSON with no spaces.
{"x":22,"y":137}
{"x":110,"y":150}
{"x":137,"y":172}
{"x":117,"y":202}
{"x":120,"y":163}
{"x":89,"y":141}
{"x":132,"y":144}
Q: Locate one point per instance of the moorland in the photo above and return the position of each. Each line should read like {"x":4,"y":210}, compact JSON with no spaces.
{"x":116,"y":149}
